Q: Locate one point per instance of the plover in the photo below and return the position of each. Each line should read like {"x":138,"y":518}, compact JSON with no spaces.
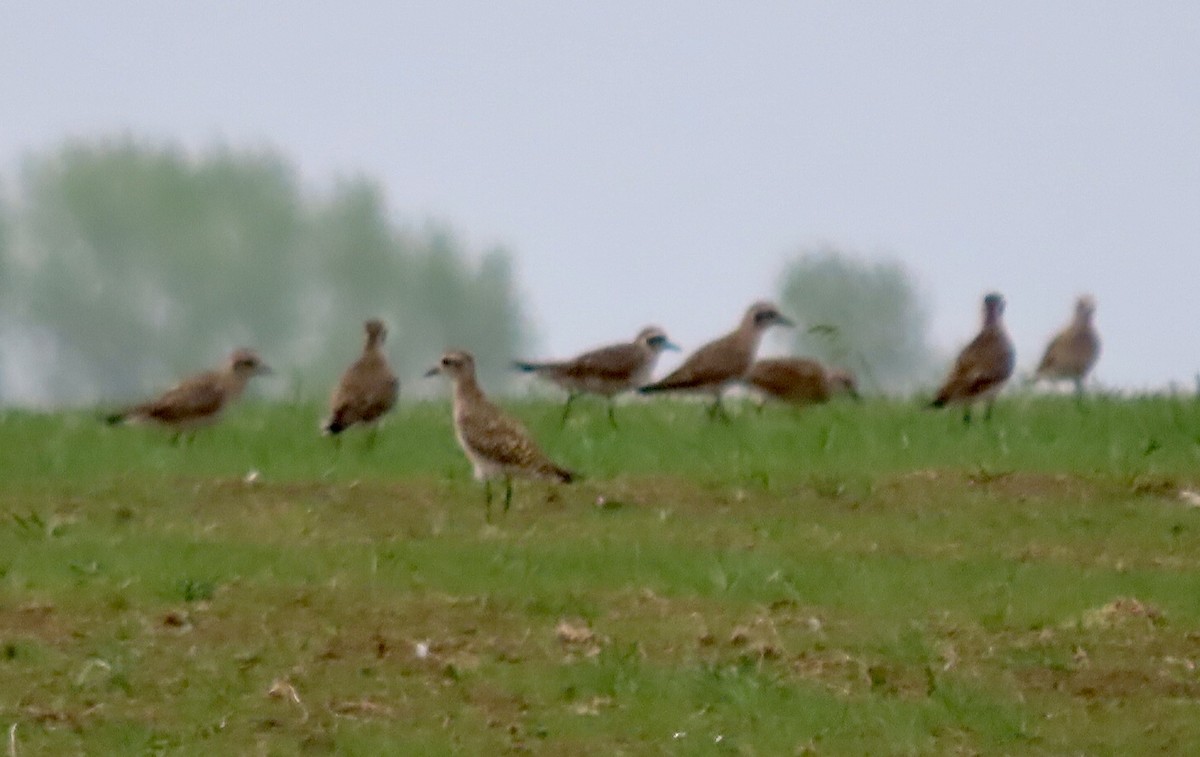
{"x":1073,"y":352}
{"x":197,"y":400}
{"x":722,"y":361}
{"x":368,"y":389}
{"x":607,"y":371}
{"x":498,"y":446}
{"x":983,"y":365}
{"x":799,"y":381}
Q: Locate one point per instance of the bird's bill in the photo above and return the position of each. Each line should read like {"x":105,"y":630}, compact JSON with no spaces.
{"x":783,"y":320}
{"x":264,"y":370}
{"x":671,"y":346}
{"x":435,"y":370}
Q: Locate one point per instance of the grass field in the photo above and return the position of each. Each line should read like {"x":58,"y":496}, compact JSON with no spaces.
{"x":848,"y":579}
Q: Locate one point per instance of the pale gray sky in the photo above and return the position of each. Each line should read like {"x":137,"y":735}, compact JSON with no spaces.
{"x":658,"y":162}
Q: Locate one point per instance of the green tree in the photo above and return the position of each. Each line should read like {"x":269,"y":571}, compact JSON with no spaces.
{"x":135,"y":263}
{"x":866,"y":316}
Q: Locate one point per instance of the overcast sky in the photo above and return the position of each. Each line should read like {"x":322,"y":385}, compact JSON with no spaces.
{"x":660,"y":161}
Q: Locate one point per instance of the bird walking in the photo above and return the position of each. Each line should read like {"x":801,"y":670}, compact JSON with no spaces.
{"x":367,"y":390}
{"x":1073,"y":352}
{"x":723,"y":361}
{"x":983,"y":366}
{"x":607,"y":371}
{"x":197,"y":400}
{"x":799,"y":381}
{"x":498,"y":446}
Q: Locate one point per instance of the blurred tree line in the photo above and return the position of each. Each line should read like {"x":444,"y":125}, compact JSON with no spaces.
{"x":867,"y":316}
{"x":123,"y":265}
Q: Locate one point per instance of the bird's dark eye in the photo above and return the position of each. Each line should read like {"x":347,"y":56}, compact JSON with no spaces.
{"x":764,"y":315}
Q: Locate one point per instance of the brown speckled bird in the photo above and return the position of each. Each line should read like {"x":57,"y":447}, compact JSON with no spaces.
{"x":1073,"y":352}
{"x":607,"y":371}
{"x":197,"y":400}
{"x":497,"y":446}
{"x":983,"y":366}
{"x":799,"y":381}
{"x":367,"y":390}
{"x":723,"y":361}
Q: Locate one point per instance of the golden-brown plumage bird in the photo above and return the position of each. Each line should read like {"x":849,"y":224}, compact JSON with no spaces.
{"x":983,"y":365}
{"x":497,"y":446}
{"x":368,"y":389}
{"x":197,"y":400}
{"x":1073,"y":352}
{"x":607,"y":371}
{"x":799,"y":381}
{"x":722,"y":361}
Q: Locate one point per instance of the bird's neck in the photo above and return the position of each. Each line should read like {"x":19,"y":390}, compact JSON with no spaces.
{"x":466,"y":391}
{"x":234,"y":383}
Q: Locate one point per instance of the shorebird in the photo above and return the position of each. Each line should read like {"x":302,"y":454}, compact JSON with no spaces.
{"x":497,"y":446}
{"x":983,"y":365}
{"x":367,"y":390}
{"x":1073,"y":352}
{"x":799,"y":381}
{"x":607,"y":371}
{"x":722,"y":361}
{"x":197,"y":400}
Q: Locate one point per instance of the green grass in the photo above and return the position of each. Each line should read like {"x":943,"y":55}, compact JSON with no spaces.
{"x":847,"y":579}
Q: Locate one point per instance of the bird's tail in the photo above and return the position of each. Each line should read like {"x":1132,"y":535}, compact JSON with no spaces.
{"x":112,"y":419}
{"x":939,"y":401}
{"x":652,"y":388}
{"x":563,"y":475}
{"x":333,"y":426}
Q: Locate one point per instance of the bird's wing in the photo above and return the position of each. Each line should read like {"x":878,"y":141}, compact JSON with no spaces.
{"x":986,"y":361}
{"x":617,"y":361}
{"x":367,"y":390}
{"x":1053,"y":353}
{"x":787,"y":378}
{"x":197,"y":397}
{"x":714,"y":363}
{"x":503,"y":441}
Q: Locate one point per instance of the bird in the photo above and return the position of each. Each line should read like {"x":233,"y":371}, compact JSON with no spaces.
{"x":367,"y":390}
{"x":197,"y":400}
{"x":498,"y":446}
{"x":722,"y":361}
{"x":983,"y":366}
{"x":607,"y":371}
{"x":799,"y":381}
{"x":1072,"y":352}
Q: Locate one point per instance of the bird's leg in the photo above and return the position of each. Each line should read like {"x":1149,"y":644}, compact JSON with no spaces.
{"x":612,"y":416}
{"x":1079,"y":392}
{"x":567,"y":407}
{"x":372,"y":436}
{"x":967,"y":416}
{"x":718,"y":411}
{"x":487,"y":500}
{"x":987,"y":414}
{"x":175,"y":437}
{"x":507,"y":492}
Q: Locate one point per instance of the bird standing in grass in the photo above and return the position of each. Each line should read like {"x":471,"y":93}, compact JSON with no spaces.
{"x":723,"y":361}
{"x":197,"y":400}
{"x":367,"y":390}
{"x":983,"y":366}
{"x":799,"y":381}
{"x":1073,"y":352}
{"x":498,"y":446}
{"x":607,"y":371}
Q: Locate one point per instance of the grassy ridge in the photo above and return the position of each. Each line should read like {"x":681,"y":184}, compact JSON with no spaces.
{"x":853,"y":578}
